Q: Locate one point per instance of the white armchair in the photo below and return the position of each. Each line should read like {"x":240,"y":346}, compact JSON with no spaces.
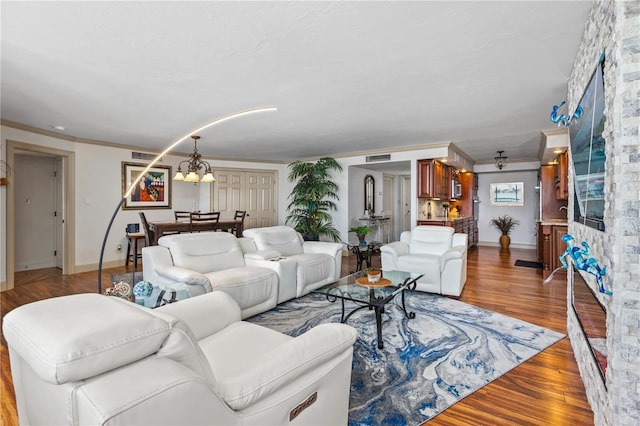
{"x":435,"y":251}
{"x":317,"y":262}
{"x":93,"y":360}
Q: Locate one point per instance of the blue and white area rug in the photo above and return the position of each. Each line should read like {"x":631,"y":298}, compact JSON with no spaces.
{"x":450,"y":350}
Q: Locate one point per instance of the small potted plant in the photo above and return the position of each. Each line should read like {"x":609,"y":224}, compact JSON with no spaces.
{"x":373,"y":274}
{"x":505,"y":224}
{"x":361,"y":232}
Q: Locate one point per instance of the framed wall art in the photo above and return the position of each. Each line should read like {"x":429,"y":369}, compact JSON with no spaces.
{"x":152,"y":192}
{"x":507,"y":194}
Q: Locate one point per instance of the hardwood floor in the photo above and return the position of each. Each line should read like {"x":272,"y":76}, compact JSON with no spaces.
{"x":545,"y":390}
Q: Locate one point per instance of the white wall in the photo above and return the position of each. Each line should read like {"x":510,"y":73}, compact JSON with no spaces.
{"x":524,"y":235}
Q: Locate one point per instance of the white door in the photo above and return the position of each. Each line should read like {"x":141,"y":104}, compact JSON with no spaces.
{"x":228,"y":192}
{"x":250,"y":190}
{"x":35,"y":225}
{"x":406,"y":203}
{"x":59,"y":213}
{"x":261,"y":200}
{"x":388,"y":204}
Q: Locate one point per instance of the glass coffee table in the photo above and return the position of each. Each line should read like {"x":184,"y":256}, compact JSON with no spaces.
{"x":373,"y":296}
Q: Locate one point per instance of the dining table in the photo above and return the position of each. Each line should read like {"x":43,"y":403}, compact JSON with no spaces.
{"x":158,"y":229}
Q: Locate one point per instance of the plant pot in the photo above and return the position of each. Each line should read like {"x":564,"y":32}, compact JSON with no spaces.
{"x":361,"y":239}
{"x":374,"y":276}
{"x":505,"y":241}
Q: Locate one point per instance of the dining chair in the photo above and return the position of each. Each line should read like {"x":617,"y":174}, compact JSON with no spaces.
{"x":203,"y":217}
{"x":182,"y":215}
{"x":134,"y":236}
{"x":240,"y":215}
{"x":148,"y":233}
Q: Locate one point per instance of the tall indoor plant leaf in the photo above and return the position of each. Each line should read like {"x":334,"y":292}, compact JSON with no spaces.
{"x":312,"y":198}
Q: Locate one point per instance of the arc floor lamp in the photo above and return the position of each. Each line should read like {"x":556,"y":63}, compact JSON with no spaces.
{"x":155,"y":160}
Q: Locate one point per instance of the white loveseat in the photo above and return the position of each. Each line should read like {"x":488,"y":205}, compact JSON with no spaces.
{"x":213,"y":261}
{"x":435,"y":251}
{"x":94,"y":360}
{"x":316,"y":262}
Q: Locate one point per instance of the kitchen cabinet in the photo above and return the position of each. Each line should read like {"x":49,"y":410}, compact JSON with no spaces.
{"x":434,"y":179}
{"x":551,"y":207}
{"x":549,"y":244}
{"x":464,"y":225}
{"x":562,"y":176}
{"x":468,"y":182}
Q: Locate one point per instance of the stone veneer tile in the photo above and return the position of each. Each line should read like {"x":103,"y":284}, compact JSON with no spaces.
{"x":614,"y":27}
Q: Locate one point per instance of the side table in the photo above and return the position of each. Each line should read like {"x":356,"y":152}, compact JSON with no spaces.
{"x":363,"y":252}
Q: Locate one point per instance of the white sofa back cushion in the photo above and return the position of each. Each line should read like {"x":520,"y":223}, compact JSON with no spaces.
{"x":94,"y":347}
{"x":283,"y":239}
{"x":207,"y":252}
{"x":430,"y":239}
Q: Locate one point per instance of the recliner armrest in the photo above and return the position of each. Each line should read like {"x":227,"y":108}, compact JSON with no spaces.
{"x":262,"y":255}
{"x":453,"y":253}
{"x":206,"y":314}
{"x":286,"y":362}
{"x":396,"y":248}
{"x":322,"y":247}
{"x":187,"y":276}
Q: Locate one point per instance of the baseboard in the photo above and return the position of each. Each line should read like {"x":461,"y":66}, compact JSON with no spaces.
{"x":4,"y":286}
{"x":94,"y":266}
{"x":513,"y":245}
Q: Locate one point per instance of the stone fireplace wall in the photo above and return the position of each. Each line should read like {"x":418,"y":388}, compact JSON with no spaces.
{"x":613,"y":27}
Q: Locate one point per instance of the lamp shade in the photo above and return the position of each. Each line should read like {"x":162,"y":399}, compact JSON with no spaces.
{"x":208,"y":177}
{"x":178,"y":176}
{"x":192,"y":177}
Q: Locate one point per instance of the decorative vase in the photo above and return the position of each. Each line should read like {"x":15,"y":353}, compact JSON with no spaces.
{"x":505,"y":241}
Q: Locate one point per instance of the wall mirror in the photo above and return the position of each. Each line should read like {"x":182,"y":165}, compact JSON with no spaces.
{"x":369,"y":193}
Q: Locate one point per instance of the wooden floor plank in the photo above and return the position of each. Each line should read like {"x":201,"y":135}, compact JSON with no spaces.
{"x":545,"y":390}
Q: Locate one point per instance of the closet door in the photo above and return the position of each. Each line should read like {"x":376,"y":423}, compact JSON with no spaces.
{"x":250,"y":190}
{"x":261,"y":199}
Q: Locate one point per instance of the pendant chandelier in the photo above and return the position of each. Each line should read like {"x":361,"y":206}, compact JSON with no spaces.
{"x":501,"y":160}
{"x":193,"y":166}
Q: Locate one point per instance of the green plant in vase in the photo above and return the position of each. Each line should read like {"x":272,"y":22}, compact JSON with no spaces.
{"x":312,"y":198}
{"x":361,"y":232}
{"x":505,"y":224}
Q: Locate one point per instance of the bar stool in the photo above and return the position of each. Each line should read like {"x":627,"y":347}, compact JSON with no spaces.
{"x":134,"y":236}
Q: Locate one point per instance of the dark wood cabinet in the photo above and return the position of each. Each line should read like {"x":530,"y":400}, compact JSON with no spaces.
{"x":562,"y":176}
{"x":551,"y":206}
{"x":425,"y":179}
{"x":465,"y":225}
{"x":434,"y":179}
{"x":468,"y":180}
{"x":550,"y":246}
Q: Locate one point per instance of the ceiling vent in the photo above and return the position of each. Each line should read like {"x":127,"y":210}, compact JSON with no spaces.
{"x":142,"y":156}
{"x":374,"y":158}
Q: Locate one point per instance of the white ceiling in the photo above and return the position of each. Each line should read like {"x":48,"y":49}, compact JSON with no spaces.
{"x":345,"y":76}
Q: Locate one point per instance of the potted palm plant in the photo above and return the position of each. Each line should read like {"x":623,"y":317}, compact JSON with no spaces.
{"x":312,"y":198}
{"x":361,"y":232}
{"x":505,"y":224}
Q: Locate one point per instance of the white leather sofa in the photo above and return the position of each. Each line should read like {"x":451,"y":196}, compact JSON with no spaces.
{"x":435,"y":251}
{"x":316,"y":262}
{"x":213,"y":261}
{"x":89,"y":359}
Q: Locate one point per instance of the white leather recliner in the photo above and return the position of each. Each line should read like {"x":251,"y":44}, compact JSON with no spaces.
{"x":89,"y":359}
{"x":435,"y":251}
{"x":212,"y":261}
{"x":316,"y":262}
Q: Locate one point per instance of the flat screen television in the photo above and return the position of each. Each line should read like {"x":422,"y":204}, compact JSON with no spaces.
{"x":588,"y":153}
